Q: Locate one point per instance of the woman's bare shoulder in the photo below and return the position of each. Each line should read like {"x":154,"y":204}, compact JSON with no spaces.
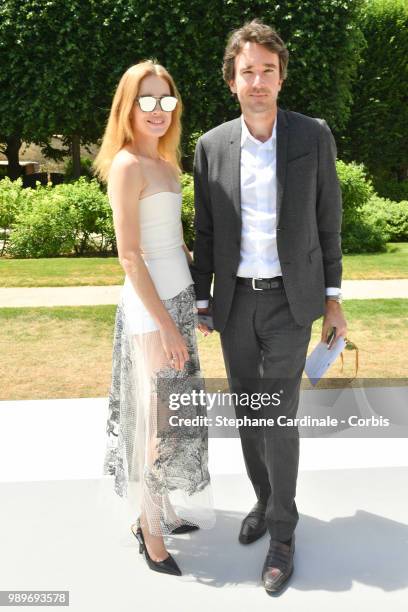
{"x":174,"y":171}
{"x":124,"y":159}
{"x":126,"y":166}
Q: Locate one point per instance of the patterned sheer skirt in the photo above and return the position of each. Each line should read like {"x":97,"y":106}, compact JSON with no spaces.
{"x":152,"y":437}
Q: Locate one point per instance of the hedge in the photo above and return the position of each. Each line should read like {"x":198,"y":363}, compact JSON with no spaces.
{"x":85,"y":47}
{"x":378,"y":126}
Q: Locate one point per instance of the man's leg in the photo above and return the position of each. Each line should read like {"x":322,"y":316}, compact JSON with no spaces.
{"x":242,"y":358}
{"x":284,"y":347}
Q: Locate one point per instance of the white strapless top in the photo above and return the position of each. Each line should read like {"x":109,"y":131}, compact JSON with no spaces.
{"x":161,"y":241}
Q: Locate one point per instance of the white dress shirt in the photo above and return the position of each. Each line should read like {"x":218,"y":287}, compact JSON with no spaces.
{"x":259,"y":253}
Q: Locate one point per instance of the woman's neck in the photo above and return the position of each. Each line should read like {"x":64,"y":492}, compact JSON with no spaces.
{"x":146,"y":147}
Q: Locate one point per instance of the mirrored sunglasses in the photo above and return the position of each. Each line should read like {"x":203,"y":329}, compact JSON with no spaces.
{"x":148,"y":103}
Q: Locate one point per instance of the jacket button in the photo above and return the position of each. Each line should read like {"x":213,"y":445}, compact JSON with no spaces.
{"x":233,"y":275}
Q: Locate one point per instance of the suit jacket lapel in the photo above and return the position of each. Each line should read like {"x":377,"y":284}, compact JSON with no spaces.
{"x":235,"y":170}
{"x":281,"y":157}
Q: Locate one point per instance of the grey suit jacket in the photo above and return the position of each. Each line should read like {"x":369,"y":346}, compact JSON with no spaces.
{"x":308,"y":214}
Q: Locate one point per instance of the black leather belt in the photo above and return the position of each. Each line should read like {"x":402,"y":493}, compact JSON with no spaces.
{"x":260,"y":284}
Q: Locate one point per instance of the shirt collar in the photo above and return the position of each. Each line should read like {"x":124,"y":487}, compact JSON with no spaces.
{"x":246,"y":135}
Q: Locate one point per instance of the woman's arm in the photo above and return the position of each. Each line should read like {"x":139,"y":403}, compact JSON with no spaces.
{"x":125,"y":185}
{"x":188,"y":255}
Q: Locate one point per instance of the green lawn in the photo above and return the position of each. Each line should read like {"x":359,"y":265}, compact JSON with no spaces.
{"x":67,"y":351}
{"x":392,"y":264}
{"x":71,"y":271}
{"x":60,"y":272}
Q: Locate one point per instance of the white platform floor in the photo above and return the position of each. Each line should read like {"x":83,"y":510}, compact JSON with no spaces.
{"x":63,"y":527}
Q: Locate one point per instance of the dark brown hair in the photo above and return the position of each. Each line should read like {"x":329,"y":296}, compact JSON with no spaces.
{"x":258,"y":32}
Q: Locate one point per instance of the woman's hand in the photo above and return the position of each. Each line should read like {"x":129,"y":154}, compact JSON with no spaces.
{"x":174,"y":345}
{"x":188,"y":254}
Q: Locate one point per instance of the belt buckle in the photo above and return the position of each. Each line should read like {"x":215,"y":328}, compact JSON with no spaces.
{"x":253,"y":284}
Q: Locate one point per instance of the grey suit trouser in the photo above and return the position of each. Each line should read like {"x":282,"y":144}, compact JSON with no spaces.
{"x":264,"y":351}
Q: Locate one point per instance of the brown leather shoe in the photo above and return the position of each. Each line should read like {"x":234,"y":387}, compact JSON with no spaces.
{"x":254,"y":525}
{"x":278,"y":566}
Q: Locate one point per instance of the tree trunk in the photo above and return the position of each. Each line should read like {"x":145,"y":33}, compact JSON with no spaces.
{"x":12,"y":152}
{"x":76,"y":155}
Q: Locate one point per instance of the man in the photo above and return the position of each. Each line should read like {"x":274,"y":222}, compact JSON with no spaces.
{"x":268,"y":220}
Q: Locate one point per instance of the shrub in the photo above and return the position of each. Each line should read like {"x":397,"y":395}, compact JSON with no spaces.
{"x":189,"y":150}
{"x":361,"y":233}
{"x":11,"y":200}
{"x":44,"y":226}
{"x":94,"y":225}
{"x":68,"y":218}
{"x":367,"y":236}
{"x":395,"y":215}
{"x":187,"y":212}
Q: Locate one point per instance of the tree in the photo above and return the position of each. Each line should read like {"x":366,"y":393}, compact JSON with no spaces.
{"x":59,"y":77}
{"x":64,"y":59}
{"x":379,"y":114}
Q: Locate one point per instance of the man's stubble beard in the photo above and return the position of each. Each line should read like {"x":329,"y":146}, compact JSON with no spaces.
{"x":253,"y":107}
{"x":257,"y":109}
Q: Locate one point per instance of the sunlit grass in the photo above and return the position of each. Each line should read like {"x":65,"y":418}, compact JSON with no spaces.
{"x":67,"y":351}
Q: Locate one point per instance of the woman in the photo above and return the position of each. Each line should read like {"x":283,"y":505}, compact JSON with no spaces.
{"x":155,"y":351}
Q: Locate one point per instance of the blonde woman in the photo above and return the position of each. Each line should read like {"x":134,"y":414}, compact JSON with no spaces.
{"x":155,"y":351}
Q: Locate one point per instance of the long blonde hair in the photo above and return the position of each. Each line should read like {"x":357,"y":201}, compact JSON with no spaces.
{"x":119,"y":130}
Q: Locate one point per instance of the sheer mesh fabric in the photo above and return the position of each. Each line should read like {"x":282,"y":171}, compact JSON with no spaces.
{"x":169,"y":462}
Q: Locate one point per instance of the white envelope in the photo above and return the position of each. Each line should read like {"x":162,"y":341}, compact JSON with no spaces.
{"x":321,"y":358}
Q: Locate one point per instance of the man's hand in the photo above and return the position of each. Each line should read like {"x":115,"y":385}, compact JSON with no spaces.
{"x":333,"y":317}
{"x":204,"y":329}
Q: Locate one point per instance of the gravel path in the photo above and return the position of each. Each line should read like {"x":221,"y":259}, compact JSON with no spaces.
{"x":89,"y":296}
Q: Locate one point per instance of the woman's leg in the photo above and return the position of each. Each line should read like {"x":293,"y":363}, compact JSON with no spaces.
{"x":155,"y":503}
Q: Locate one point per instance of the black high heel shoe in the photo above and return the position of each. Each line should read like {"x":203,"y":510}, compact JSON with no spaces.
{"x":167,"y":566}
